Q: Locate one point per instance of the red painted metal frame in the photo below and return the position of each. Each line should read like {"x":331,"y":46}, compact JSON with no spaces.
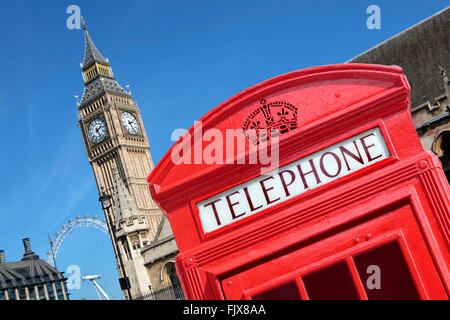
{"x":375,"y":241}
{"x":335,"y":102}
{"x":248,"y":293}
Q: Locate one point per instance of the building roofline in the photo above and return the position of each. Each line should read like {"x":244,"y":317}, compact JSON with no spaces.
{"x":400,"y":33}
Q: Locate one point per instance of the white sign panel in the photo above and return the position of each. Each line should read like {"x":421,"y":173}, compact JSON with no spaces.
{"x":293,"y":179}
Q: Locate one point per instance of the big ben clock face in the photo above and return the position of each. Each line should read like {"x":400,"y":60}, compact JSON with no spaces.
{"x":97,"y":130}
{"x":129,"y":122}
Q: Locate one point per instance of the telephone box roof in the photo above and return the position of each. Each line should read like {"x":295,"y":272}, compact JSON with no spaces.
{"x":320,"y":94}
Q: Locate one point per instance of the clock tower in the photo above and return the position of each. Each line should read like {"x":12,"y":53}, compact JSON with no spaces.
{"x":118,"y":150}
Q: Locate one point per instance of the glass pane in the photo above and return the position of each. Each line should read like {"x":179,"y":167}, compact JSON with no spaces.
{"x":22,"y":293}
{"x":49,"y":287}
{"x":51,"y":294}
{"x":12,"y":294}
{"x":287,"y":291}
{"x":32,"y":292}
{"x":385,"y":274}
{"x":332,"y":283}
{"x":41,"y":291}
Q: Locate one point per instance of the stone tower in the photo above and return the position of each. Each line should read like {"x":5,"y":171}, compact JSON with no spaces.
{"x":119,"y":152}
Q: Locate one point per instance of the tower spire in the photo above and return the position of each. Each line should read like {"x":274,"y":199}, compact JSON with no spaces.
{"x":124,"y":205}
{"x":97,"y":73}
{"x":91,"y":53}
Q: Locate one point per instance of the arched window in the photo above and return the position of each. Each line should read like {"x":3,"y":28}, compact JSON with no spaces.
{"x":126,"y":249}
{"x":169,"y":277}
{"x":168,"y":273}
{"x":441,"y":147}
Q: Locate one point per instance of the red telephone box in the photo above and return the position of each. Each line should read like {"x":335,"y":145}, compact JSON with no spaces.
{"x":355,"y":208}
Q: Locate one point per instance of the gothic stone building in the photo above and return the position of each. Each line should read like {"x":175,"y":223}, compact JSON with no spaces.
{"x":423,"y":51}
{"x":30,"y":278}
{"x":118,"y":150}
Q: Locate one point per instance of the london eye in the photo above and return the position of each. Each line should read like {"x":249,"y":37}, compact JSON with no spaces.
{"x":79,"y":249}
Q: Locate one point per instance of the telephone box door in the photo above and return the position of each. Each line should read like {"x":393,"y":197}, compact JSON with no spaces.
{"x":370,"y":259}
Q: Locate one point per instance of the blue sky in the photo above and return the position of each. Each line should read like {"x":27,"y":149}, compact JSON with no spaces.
{"x":181,"y":59}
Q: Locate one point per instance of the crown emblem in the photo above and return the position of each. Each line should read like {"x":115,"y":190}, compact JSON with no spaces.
{"x":269,"y":120}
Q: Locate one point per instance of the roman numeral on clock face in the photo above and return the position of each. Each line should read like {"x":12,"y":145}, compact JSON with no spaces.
{"x":97,"y":130}
{"x":129,"y":122}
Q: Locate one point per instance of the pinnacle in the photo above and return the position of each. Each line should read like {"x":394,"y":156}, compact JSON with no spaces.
{"x":91,"y":53}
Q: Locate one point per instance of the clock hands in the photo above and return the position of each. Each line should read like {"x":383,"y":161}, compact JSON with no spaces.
{"x":97,"y":130}
{"x":130,"y":123}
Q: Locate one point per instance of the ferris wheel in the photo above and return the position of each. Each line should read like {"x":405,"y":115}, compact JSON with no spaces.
{"x":73,"y":224}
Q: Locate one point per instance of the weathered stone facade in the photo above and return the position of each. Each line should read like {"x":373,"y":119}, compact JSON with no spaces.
{"x":161,"y":255}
